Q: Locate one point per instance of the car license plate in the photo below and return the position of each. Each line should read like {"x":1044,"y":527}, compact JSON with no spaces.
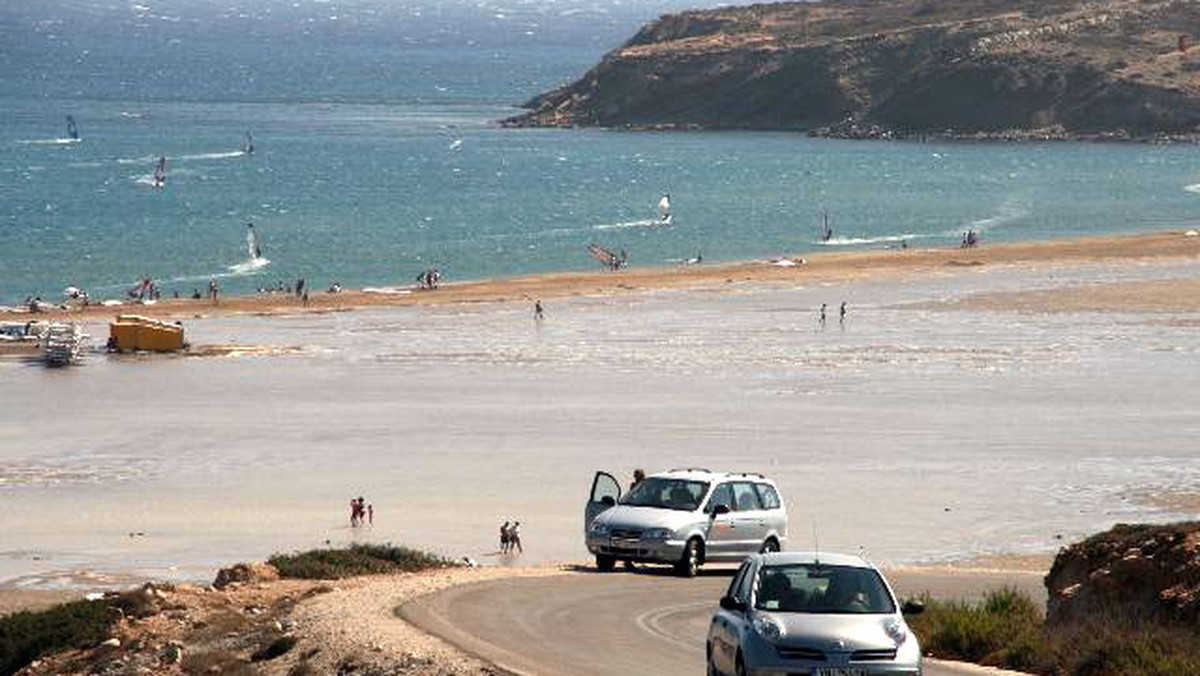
{"x":839,"y":671}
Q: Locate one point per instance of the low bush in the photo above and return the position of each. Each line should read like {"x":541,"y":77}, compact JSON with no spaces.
{"x":1007,"y":630}
{"x":332,"y":564}
{"x":26,"y":636}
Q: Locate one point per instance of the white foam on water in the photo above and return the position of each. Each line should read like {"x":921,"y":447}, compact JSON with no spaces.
{"x":50,"y":141}
{"x":1195,"y":187}
{"x":249,"y":267}
{"x":211,"y":156}
{"x":851,"y":241}
{"x":645,"y":223}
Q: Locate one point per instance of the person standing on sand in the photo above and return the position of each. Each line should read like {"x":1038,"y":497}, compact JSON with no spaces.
{"x":842,"y":314}
{"x":353,"y":513}
{"x":514,"y":537}
{"x":504,"y":538}
{"x":371,"y":514}
{"x":822,"y":315}
{"x":538,"y":312}
{"x":213,"y":289}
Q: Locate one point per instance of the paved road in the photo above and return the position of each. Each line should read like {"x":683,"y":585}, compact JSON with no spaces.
{"x":618,"y":623}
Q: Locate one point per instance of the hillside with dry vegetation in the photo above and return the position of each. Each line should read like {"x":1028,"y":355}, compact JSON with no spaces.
{"x":884,"y":68}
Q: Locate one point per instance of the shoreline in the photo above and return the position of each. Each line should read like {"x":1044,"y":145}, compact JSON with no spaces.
{"x":818,"y":268}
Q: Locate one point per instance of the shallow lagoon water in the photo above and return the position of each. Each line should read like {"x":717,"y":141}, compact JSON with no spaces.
{"x":919,"y":435}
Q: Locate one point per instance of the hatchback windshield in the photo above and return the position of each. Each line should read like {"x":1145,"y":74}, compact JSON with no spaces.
{"x":817,"y":588}
{"x":666,"y":493}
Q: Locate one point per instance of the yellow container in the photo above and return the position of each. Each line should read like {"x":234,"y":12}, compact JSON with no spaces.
{"x":131,"y":332}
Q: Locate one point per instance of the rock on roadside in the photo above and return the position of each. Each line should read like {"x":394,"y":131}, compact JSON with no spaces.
{"x":245,"y":573}
{"x":1149,"y":572}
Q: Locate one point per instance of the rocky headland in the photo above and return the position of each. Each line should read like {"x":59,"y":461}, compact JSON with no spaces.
{"x":1012,"y":69}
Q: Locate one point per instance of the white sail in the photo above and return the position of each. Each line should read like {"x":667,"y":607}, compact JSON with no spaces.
{"x":252,"y":243}
{"x":664,"y":208}
{"x":160,"y":172}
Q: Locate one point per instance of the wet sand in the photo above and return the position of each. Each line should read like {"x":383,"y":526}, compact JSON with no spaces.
{"x":839,"y":267}
{"x":988,"y":432}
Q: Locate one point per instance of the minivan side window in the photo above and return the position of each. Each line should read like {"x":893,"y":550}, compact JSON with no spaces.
{"x":745,"y":499}
{"x":723,"y":495}
{"x":770,"y":498}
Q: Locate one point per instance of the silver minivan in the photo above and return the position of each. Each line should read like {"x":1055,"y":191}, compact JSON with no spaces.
{"x":685,"y":518}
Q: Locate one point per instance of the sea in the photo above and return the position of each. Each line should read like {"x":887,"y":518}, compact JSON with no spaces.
{"x":912,"y":431}
{"x":378,"y":154}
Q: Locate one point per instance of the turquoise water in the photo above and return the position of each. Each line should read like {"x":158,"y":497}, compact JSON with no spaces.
{"x":378,"y":156}
{"x":372,"y":194}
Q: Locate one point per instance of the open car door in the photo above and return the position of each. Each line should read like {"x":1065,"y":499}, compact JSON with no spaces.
{"x":606,"y":492}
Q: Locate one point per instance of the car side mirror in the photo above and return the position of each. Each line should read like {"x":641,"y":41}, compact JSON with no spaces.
{"x":912,"y":607}
{"x":720,"y":509}
{"x":730,"y":603}
{"x":608,"y":501}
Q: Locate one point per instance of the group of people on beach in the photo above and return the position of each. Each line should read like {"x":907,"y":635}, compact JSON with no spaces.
{"x":841,"y":314}
{"x":510,"y":536}
{"x":970,"y":238}
{"x":429,"y":279}
{"x":361,"y":514}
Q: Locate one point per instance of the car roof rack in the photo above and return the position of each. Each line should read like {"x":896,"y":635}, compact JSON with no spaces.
{"x":690,"y":469}
{"x":748,"y":474}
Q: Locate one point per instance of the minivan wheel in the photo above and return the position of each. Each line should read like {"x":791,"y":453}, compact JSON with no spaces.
{"x":771,"y":545}
{"x":689,"y":562}
{"x":605,"y":563}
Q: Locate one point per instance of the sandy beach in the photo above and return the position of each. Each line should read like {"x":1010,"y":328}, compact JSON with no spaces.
{"x":1005,"y":398}
{"x":820,"y":268}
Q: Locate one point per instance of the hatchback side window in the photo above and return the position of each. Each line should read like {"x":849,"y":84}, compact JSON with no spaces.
{"x":745,"y":499}
{"x":737,"y":580}
{"x":770,"y":498}
{"x":746,"y":584}
{"x":723,"y":495}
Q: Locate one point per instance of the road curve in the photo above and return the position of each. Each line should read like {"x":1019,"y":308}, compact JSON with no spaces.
{"x":617,"y":623}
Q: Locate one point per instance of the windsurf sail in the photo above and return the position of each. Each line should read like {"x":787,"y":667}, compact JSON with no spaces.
{"x":664,"y":208}
{"x":826,"y":229}
{"x":252,"y":243}
{"x":72,"y":130}
{"x":160,"y":172}
{"x":608,"y":258}
{"x":248,"y":146}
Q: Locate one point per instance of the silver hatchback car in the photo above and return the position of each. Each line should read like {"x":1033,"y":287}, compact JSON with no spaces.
{"x":684,"y":517}
{"x":818,"y":615}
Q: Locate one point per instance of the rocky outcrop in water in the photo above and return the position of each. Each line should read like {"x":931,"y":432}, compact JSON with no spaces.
{"x":885,"y":68}
{"x":1140,"y":572}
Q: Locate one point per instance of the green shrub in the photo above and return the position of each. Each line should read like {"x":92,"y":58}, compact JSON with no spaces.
{"x":332,"y":564}
{"x":1007,"y":630}
{"x":26,"y":636}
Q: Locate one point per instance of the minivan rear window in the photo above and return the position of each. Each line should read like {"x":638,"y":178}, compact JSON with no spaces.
{"x":678,"y":494}
{"x":770,"y":499}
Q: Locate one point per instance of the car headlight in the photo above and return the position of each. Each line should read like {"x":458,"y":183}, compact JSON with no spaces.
{"x":768,"y":627}
{"x":897,"y":631}
{"x":600,"y":528}
{"x":657,"y":534}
